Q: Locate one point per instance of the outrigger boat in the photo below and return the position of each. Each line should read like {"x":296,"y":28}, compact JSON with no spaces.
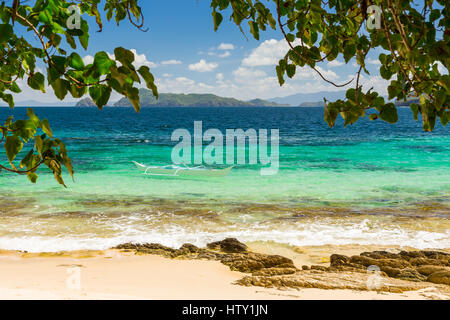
{"x":182,"y":171}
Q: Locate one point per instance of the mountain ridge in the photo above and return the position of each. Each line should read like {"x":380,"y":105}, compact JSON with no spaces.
{"x":194,"y":100}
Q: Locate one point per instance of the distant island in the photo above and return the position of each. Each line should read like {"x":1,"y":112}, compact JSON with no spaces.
{"x":186,"y":100}
{"x":399,"y":103}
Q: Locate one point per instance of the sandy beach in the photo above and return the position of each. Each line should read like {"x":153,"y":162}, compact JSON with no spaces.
{"x":115,"y":274}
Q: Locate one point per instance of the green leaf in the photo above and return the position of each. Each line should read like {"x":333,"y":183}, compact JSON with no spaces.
{"x":61,"y":87}
{"x":77,"y":91}
{"x":133,"y":95}
{"x":102,"y":62}
{"x":100,"y":94}
{"x":34,"y":119}
{"x":254,"y":29}
{"x":37,"y":81}
{"x":39,"y":144}
{"x":13,"y":145}
{"x":6,"y":32}
{"x":389,"y":113}
{"x":280,"y":75}
{"x":144,"y":71}
{"x":330,"y":115}
{"x":217,"y":19}
{"x":32,"y":176}
{"x":46,"y":128}
{"x":76,"y":62}
{"x":290,"y":70}
{"x":415,"y":109}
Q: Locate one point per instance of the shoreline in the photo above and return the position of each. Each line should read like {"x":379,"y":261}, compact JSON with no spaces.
{"x":133,"y":274}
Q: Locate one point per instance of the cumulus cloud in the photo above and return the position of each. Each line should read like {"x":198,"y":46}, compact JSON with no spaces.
{"x":139,"y":59}
{"x":226,"y":54}
{"x":183,"y":85}
{"x":374,"y":62}
{"x":226,"y":46}
{"x":171,"y":62}
{"x":441,"y":68}
{"x":335,"y":63}
{"x":267,"y":53}
{"x":220,"y":77}
{"x":88,"y":59}
{"x":203,"y":66}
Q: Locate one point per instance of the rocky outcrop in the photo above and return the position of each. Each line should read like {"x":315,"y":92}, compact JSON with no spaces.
{"x":440,"y":277}
{"x":430,"y":266}
{"x":403,"y":271}
{"x":229,"y":245}
{"x":230,"y":252}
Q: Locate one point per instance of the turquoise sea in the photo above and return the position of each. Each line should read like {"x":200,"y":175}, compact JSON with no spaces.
{"x":370,"y":183}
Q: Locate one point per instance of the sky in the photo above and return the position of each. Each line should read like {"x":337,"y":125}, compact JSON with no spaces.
{"x":187,"y":56}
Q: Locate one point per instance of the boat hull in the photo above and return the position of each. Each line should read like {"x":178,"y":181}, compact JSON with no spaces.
{"x":182,"y":172}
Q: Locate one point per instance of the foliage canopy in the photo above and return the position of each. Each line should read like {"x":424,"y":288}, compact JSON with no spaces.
{"x":414,"y":40}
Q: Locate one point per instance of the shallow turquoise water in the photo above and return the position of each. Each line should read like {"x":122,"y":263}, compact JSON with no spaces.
{"x":372,"y":183}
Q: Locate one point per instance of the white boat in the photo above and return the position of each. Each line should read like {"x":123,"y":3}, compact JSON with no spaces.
{"x":182,"y":171}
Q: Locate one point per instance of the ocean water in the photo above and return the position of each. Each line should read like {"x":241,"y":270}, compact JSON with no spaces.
{"x":370,"y":183}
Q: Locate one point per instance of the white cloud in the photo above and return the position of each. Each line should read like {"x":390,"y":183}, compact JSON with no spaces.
{"x":220,"y":77}
{"x":88,"y":59}
{"x":139,"y":59}
{"x":226,"y":46}
{"x":376,"y":82}
{"x":184,"y":80}
{"x":441,"y":68}
{"x":243,"y":74}
{"x":225,"y":54}
{"x":171,"y":62}
{"x":374,"y":62}
{"x":335,"y":63}
{"x":203,"y":66}
{"x":267,"y":53}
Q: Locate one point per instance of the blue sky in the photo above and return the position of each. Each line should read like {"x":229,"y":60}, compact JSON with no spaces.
{"x":187,"y":56}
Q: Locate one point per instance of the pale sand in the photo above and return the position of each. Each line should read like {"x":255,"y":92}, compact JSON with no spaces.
{"x":116,"y":275}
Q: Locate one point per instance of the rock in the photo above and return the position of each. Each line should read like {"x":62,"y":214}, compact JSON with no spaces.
{"x":426,"y":261}
{"x":406,"y":265}
{"x":338,"y":260}
{"x":148,"y":248}
{"x":410,"y":274}
{"x":364,"y":261}
{"x":407,"y":270}
{"x":252,"y":262}
{"x":440,"y":277}
{"x":229,"y":245}
{"x":391,"y":272}
{"x":270,"y":272}
{"x":320,"y":268}
{"x":380,"y":255}
{"x":329,"y":280}
{"x":392,"y":263}
{"x":436,"y":255}
{"x":411,"y":254}
{"x":190,"y":248}
{"x":427,"y":270}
